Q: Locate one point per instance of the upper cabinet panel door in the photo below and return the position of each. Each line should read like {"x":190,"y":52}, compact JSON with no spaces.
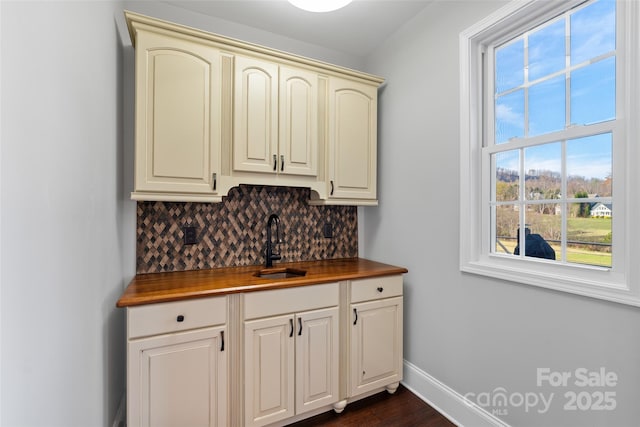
{"x":255,"y":147}
{"x":298,"y":122}
{"x":177,"y":115}
{"x":352,"y":139}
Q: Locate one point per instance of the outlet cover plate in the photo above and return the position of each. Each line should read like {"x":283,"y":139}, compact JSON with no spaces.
{"x":190,"y":237}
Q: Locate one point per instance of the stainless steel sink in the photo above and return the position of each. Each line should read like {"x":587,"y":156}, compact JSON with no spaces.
{"x":280,"y":273}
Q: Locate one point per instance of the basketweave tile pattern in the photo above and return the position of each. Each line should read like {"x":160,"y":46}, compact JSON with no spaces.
{"x":234,"y":232}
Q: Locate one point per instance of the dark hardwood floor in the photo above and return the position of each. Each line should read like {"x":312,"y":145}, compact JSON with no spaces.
{"x":402,"y":409}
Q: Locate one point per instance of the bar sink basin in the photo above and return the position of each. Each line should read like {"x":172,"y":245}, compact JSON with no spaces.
{"x":280,"y":273}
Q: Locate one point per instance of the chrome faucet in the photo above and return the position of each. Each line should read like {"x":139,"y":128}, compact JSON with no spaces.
{"x":272,"y":256}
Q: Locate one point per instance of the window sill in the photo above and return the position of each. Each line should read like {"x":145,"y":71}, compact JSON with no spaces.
{"x":593,"y":282}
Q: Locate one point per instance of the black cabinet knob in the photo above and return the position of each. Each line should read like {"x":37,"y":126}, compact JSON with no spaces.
{"x":180,"y":318}
{"x":380,"y":289}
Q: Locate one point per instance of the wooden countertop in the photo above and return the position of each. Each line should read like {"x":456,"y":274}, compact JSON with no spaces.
{"x":162,"y":287}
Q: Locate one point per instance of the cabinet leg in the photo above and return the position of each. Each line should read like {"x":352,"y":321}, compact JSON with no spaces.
{"x":391,"y":388}
{"x":338,"y":407}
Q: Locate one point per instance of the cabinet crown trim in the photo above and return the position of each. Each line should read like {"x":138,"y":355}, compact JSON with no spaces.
{"x":135,"y":20}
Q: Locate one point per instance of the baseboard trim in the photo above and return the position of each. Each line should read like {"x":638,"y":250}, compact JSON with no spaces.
{"x":438,"y":395}
{"x":447,"y":401}
{"x":119,"y":420}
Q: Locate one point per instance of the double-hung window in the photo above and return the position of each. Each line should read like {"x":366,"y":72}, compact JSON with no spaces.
{"x":549,"y":105}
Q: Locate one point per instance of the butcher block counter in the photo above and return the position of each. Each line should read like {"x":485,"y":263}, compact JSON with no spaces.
{"x":182,"y":285}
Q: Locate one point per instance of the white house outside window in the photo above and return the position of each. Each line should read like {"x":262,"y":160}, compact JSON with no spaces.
{"x":546,"y":146}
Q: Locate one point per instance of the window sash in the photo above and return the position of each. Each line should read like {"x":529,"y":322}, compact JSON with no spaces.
{"x":491,"y":146}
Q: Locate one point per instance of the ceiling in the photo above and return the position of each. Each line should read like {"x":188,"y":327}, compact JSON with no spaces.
{"x":356,"y":29}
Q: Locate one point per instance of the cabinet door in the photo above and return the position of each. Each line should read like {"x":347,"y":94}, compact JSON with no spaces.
{"x":352,"y":139}
{"x":178,"y":380}
{"x":298,"y":147}
{"x":376,"y":344}
{"x":255,"y":139}
{"x":269,"y":370}
{"x":316,"y":359}
{"x":178,"y":108}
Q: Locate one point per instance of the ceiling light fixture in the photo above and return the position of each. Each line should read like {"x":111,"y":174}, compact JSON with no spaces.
{"x":320,"y":5}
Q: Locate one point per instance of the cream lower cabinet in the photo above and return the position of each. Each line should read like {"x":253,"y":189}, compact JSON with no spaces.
{"x":260,"y":358}
{"x":376,"y":335}
{"x":177,"y":364}
{"x":291,"y":360}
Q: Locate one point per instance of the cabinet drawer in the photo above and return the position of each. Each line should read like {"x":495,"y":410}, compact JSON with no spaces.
{"x":376,"y":288}
{"x":290,"y":300}
{"x":162,"y":318}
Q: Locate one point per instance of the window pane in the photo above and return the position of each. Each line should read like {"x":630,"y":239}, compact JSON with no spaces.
{"x":547,"y":106}
{"x":589,"y":234}
{"x":543,"y":179}
{"x":547,"y":51}
{"x":593,"y":93}
{"x":593,"y":31}
{"x":509,"y":66}
{"x":506,"y":228}
{"x":510,"y":116}
{"x":589,"y":166}
{"x":569,"y":79}
{"x":506,"y":181}
{"x":542,"y":233}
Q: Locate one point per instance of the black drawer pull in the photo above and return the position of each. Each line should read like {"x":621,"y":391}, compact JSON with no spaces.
{"x":380,"y":289}
{"x":300,"y":326}
{"x":291,"y":326}
{"x":355,"y":312}
{"x":180,"y":318}
{"x":221,"y":340}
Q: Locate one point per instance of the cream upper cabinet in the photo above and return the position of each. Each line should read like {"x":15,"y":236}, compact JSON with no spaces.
{"x":352,"y":140}
{"x":213,"y":113}
{"x":255,"y":144}
{"x":275,"y":118}
{"x":376,"y":334}
{"x":177,"y":364}
{"x":298,"y":121}
{"x":178,"y":112}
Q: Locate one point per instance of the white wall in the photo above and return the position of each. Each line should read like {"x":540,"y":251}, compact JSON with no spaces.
{"x":474,"y":334}
{"x":68,"y":229}
{"x":242,"y":32}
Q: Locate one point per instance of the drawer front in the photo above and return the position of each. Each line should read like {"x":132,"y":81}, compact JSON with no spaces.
{"x":162,"y":318}
{"x":376,"y":288}
{"x":290,"y":300}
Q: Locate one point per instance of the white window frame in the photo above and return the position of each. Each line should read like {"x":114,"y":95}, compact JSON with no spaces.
{"x":621,"y":282}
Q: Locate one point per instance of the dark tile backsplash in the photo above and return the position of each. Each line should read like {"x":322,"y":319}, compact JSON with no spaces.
{"x":234,"y":232}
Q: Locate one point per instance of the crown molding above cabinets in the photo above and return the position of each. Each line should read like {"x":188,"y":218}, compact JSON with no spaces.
{"x":214,"y":112}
